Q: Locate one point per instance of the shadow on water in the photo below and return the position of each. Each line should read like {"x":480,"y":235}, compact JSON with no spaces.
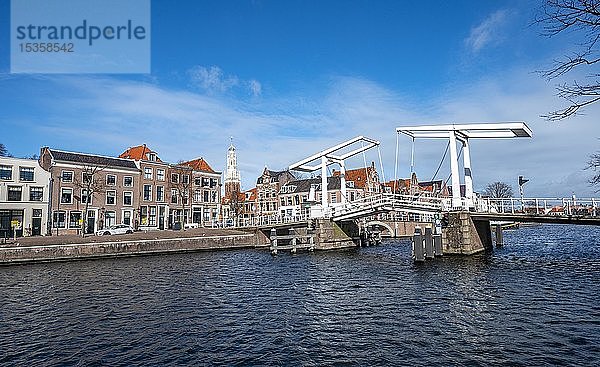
{"x":532,"y":302}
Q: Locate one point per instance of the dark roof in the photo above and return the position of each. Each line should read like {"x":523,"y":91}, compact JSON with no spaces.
{"x":90,"y":159}
{"x":333,"y":183}
{"x":277,"y":174}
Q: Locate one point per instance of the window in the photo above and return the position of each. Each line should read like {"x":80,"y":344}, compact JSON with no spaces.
{"x":160,"y":174}
{"x":14,"y":193}
{"x":37,"y":213}
{"x":205,"y":195}
{"x":174,"y":177}
{"x":26,"y":173}
{"x":173,"y":196}
{"x":213,"y":182}
{"x":127,"y":217}
{"x":197,"y":181}
{"x":87,"y":177}
{"x":160,"y":193}
{"x":111,"y":180}
{"x":205,"y":181}
{"x":36,"y":193}
{"x":5,"y":173}
{"x":59,"y":219}
{"x":111,"y":197}
{"x":66,"y":196}
{"x":128,"y":181}
{"x":85,"y":197}
{"x":282,"y":202}
{"x":67,"y":176}
{"x":152,"y":216}
{"x":214,"y":197}
{"x":144,"y":215}
{"x":74,"y":218}
{"x":110,"y":219}
{"x":185,"y":179}
{"x":152,"y":157}
{"x":127,"y":198}
{"x":148,"y":173}
{"x":147,"y":192}
{"x":197,"y":196}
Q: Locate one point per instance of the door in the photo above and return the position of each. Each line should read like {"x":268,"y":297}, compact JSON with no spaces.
{"x":91,"y":221}
{"x":36,"y":226}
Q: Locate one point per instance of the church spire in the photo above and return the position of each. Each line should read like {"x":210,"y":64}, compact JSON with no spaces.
{"x":232,"y":175}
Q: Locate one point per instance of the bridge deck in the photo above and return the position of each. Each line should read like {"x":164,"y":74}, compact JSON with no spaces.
{"x":534,"y":218}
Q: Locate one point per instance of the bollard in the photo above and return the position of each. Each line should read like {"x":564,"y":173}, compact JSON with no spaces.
{"x":499,"y":239}
{"x":417,"y":246}
{"x":437,"y":245}
{"x":428,"y":243}
{"x":273,"y":238}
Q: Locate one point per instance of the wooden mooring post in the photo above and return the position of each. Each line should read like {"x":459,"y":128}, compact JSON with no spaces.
{"x":418,"y":249}
{"x":273,"y":238}
{"x":499,"y":236}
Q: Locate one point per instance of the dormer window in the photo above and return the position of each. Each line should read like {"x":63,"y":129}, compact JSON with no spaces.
{"x":152,"y":157}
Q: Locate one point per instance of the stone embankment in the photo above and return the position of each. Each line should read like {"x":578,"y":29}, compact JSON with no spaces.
{"x":60,"y":248}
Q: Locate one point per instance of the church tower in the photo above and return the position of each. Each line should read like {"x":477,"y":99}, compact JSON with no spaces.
{"x":232,"y":175}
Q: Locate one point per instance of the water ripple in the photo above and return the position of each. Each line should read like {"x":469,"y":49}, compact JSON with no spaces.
{"x":532,"y":302}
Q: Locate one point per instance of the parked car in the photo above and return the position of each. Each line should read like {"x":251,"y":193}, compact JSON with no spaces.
{"x":116,"y":229}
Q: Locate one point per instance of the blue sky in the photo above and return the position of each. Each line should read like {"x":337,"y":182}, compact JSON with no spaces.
{"x":288,"y":78}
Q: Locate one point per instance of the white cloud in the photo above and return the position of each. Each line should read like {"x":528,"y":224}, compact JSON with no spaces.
{"x":212,"y":79}
{"x":255,"y":87}
{"x":487,"y":31}
{"x":276,"y":132}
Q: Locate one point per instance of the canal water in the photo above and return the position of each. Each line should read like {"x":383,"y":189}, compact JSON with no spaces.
{"x":536,"y":301}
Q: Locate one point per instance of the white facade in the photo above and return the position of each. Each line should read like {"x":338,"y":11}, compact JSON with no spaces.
{"x":24,"y":195}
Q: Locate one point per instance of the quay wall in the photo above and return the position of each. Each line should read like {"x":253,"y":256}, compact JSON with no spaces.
{"x":61,"y":252}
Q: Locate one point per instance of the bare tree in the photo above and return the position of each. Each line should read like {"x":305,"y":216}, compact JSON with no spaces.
{"x":3,"y":151}
{"x":90,"y":183}
{"x":594,"y":164}
{"x":182,"y":186}
{"x":579,"y":17}
{"x":236,"y":205}
{"x":498,"y":190}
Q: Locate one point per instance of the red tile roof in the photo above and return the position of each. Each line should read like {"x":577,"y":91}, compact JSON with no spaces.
{"x":138,"y":153}
{"x":199,"y":164}
{"x":358,"y":176}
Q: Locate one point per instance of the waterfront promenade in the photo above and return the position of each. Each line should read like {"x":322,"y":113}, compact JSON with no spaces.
{"x":72,"y":247}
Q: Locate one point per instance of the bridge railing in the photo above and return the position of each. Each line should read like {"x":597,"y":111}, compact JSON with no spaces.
{"x":389,"y":202}
{"x":270,"y":220}
{"x":540,"y":206}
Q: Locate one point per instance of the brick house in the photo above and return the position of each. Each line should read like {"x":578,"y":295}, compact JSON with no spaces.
{"x":153,"y":194}
{"x":107,"y":186}
{"x":205,"y":192}
{"x":267,"y":189}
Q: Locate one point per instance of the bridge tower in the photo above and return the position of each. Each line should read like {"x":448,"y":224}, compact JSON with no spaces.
{"x":463,"y":133}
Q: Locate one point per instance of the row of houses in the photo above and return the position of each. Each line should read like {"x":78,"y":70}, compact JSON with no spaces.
{"x":67,"y":192}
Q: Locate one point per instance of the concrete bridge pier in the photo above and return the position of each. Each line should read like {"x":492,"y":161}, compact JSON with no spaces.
{"x":465,"y":236}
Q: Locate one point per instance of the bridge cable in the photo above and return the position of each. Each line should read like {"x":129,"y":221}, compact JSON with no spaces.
{"x":381,"y":163}
{"x":412,"y":156}
{"x":396,"y":165}
{"x":441,"y":162}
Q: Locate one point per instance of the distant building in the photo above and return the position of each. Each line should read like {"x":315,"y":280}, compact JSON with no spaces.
{"x":232,"y":174}
{"x":205,"y":191}
{"x":24,"y":198}
{"x":267,"y":189}
{"x":297,"y":196}
{"x":366,"y":179}
{"x":153,"y":193}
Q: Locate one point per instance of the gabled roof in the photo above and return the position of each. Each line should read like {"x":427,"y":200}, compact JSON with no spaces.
{"x":277,"y":174}
{"x":139,"y":153}
{"x":253,"y":194}
{"x":91,"y":159}
{"x":199,"y":164}
{"x":298,"y":186}
{"x":358,"y":175}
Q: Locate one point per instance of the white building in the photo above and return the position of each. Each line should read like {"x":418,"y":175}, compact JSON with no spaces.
{"x":24,"y":193}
